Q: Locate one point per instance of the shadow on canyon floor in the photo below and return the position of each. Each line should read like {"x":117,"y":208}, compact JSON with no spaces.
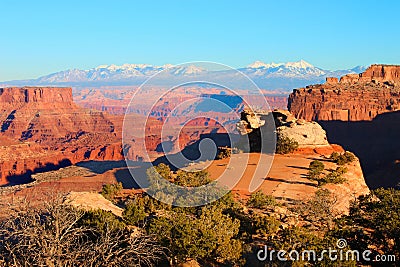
{"x":27,"y":176}
{"x":122,"y":174}
{"x":134,"y":175}
{"x":100,"y":167}
{"x":376,"y":143}
{"x":201,"y":150}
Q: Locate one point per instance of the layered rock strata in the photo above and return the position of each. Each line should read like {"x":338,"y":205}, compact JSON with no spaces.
{"x":356,"y":97}
{"x":41,"y":128}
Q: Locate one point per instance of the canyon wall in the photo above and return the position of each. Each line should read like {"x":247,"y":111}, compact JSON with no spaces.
{"x":16,"y":96}
{"x":356,"y":97}
{"x":361,"y":113}
{"x":382,"y":73}
{"x":41,"y":128}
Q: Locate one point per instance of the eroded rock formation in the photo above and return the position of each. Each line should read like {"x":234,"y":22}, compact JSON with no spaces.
{"x":382,"y":73}
{"x":360,"y":112}
{"x":303,"y":132}
{"x":41,"y":129}
{"x":307,"y":134}
{"x":356,"y":97}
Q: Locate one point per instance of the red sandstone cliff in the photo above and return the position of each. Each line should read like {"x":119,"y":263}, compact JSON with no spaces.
{"x":356,"y":97}
{"x":41,"y":126}
{"x":16,"y":97}
{"x":382,"y":73}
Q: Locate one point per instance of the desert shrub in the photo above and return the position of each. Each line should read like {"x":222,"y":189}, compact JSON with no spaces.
{"x":316,"y":167}
{"x":265,"y":225}
{"x":161,"y":175}
{"x":302,"y":239}
{"x":55,"y":235}
{"x":134,"y":212}
{"x":260,"y":200}
{"x":334,"y":156}
{"x":335,"y":176}
{"x":319,"y":210}
{"x":192,"y":179}
{"x":285,"y":145}
{"x":374,"y":223}
{"x":224,"y":153}
{"x":190,"y":183}
{"x":342,"y":159}
{"x":195,"y":236}
{"x":151,"y":204}
{"x":101,"y":220}
{"x":109,"y":191}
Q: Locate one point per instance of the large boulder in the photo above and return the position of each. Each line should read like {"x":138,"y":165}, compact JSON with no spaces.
{"x":303,"y":132}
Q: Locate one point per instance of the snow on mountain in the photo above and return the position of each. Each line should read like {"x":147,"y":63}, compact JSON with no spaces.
{"x":260,"y":64}
{"x":117,"y":73}
{"x":286,"y":76}
{"x":64,"y":76}
{"x":187,"y":70}
{"x":299,"y":64}
{"x":290,"y":69}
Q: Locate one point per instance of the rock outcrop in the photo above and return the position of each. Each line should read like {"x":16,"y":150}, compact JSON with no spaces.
{"x":382,"y":73}
{"x":286,"y":184}
{"x":307,"y":134}
{"x":356,"y":97}
{"x":253,"y":132}
{"x":51,"y":96}
{"x":47,"y":114}
{"x":303,"y":132}
{"x":332,"y":80}
{"x":92,"y":201}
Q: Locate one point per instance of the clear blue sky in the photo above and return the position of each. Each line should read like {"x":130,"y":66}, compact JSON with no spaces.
{"x":41,"y":37}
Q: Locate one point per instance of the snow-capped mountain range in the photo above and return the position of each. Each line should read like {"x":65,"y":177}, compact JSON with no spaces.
{"x":266,"y":75}
{"x":289,"y":69}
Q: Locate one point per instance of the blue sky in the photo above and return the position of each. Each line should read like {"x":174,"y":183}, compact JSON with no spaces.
{"x":41,"y":37}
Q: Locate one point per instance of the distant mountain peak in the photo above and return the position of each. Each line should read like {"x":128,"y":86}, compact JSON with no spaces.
{"x":257,"y":64}
{"x":302,"y":64}
{"x":289,"y":69}
{"x":187,"y":70}
{"x":114,"y":67}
